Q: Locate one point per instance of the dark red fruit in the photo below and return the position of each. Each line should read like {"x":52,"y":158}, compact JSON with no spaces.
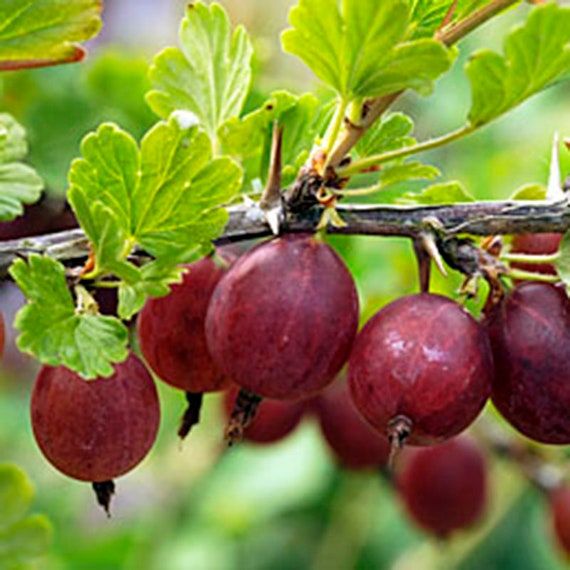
{"x":560,"y":513}
{"x":95,"y":430}
{"x":281,"y":322}
{"x":530,"y":338}
{"x":536,"y":244}
{"x":273,"y":421}
{"x":420,"y":369}
{"x":444,"y":488}
{"x":354,"y":443}
{"x":171,"y":332}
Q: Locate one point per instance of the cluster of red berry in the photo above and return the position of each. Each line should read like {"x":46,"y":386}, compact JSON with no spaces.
{"x":279,"y":323}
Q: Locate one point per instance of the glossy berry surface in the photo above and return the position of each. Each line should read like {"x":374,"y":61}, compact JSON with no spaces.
{"x":171,"y":331}
{"x":99,"y":429}
{"x":281,"y":322}
{"x":536,"y":244}
{"x":560,"y":513}
{"x":444,"y":488}
{"x":354,"y":443}
{"x":530,"y":337}
{"x":425,"y":359}
{"x":274,"y":419}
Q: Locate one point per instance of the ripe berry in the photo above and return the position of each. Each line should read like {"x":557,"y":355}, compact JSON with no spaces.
{"x":355,"y":444}
{"x":420,"y":370}
{"x":274,"y":419}
{"x":560,"y":513}
{"x":173,"y":341}
{"x":444,"y":488}
{"x":530,"y":336}
{"x":536,"y":244}
{"x":281,"y":322}
{"x":95,"y":430}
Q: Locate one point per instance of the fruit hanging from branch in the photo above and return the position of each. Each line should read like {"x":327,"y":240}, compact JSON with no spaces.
{"x":95,"y":430}
{"x":281,"y":322}
{"x":420,"y":370}
{"x":530,"y":335}
{"x":354,"y":443}
{"x":173,"y":340}
{"x":444,"y":488}
{"x":274,"y":419}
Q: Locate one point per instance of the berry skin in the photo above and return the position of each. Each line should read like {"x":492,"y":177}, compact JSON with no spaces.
{"x":536,"y":244}
{"x":171,"y":332}
{"x":421,"y":365}
{"x":444,"y":488}
{"x":560,"y":513}
{"x":354,"y":443}
{"x":530,"y":336}
{"x":99,"y":429}
{"x":274,"y":419}
{"x":281,"y":322}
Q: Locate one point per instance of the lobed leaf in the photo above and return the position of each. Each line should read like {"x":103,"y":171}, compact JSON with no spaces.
{"x":36,"y":33}
{"x":209,"y":75}
{"x":361,"y":48}
{"x":537,"y":55}
{"x":56,"y":331}
{"x":406,"y":172}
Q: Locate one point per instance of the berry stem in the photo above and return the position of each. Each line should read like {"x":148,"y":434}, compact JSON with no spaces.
{"x":530,"y":258}
{"x":191,"y":416}
{"x":521,"y":275}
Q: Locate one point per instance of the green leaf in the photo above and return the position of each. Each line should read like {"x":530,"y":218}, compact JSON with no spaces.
{"x":445,"y":193}
{"x":153,"y":281}
{"x":391,"y":133}
{"x":361,"y":48}
{"x":13,"y":144}
{"x":211,"y":73}
{"x":530,"y":192}
{"x":16,"y":493}
{"x":165,"y":197}
{"x":22,"y":538}
{"x":25,"y":541}
{"x":56,"y":331}
{"x":36,"y":33}
{"x":249,"y":138}
{"x":428,"y":15}
{"x":537,"y":55}
{"x":19,"y":183}
{"x":406,"y":172}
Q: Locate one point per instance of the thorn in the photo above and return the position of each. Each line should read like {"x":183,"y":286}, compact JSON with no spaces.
{"x":429,"y":244}
{"x":554,"y":191}
{"x":271,"y":201}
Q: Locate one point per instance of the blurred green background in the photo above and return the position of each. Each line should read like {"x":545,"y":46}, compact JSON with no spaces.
{"x":201,"y":506}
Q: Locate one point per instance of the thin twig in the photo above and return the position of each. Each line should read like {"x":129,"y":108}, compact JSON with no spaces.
{"x":478,"y":218}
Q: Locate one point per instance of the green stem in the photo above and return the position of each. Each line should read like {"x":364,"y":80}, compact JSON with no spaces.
{"x":377,"y":159}
{"x":529,"y":258}
{"x":521,"y":275}
{"x":335,"y":126}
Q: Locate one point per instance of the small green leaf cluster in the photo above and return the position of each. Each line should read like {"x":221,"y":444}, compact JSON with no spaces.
{"x":23,"y":537}
{"x":19,"y":183}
